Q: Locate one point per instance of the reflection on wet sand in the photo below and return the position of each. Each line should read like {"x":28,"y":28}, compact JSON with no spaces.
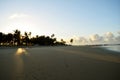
{"x":19,"y":63}
{"x":21,"y":51}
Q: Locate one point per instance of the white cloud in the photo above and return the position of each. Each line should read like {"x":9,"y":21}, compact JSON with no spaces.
{"x":96,"y":39}
{"x":109,"y":37}
{"x":79,"y":40}
{"x":83,"y":40}
{"x":18,"y":15}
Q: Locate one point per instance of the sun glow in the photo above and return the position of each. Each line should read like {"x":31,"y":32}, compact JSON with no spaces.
{"x":21,"y":51}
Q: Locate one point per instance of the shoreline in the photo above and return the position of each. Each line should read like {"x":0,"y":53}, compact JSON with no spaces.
{"x":84,"y":46}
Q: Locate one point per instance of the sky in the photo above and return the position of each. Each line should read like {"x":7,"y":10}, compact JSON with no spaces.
{"x":87,"y":21}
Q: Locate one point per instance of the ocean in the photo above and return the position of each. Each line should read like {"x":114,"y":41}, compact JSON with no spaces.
{"x":113,"y":48}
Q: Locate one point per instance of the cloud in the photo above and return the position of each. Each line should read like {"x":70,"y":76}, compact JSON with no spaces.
{"x":96,"y":39}
{"x":79,"y":40}
{"x":109,"y":37}
{"x":83,"y":40}
{"x":18,"y":15}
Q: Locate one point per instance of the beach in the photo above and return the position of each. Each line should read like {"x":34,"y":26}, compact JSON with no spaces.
{"x":59,"y":63}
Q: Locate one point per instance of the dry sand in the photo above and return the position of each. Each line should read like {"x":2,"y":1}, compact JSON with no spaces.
{"x":59,"y":63}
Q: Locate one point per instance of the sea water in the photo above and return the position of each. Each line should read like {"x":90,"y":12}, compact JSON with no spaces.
{"x":113,"y":48}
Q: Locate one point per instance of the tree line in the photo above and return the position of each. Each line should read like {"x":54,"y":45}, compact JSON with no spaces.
{"x":17,"y":39}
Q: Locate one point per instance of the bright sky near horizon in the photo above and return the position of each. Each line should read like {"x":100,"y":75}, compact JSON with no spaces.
{"x":64,"y":18}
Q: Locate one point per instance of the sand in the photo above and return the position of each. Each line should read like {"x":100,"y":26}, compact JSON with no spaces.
{"x":59,"y":63}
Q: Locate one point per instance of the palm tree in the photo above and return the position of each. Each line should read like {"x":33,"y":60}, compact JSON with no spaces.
{"x":29,"y":35}
{"x":17,"y":36}
{"x":1,"y":37}
{"x":52,"y":35}
{"x":9,"y":38}
{"x":71,"y":41}
{"x":26,"y":38}
{"x":63,"y":42}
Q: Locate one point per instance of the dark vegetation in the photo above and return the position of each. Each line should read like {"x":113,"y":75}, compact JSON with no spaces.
{"x":16,"y":39}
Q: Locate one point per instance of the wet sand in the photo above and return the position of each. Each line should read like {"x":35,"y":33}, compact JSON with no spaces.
{"x":59,"y":63}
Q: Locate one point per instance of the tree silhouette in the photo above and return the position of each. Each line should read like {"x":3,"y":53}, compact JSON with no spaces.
{"x":10,"y":38}
{"x":30,"y":37}
{"x":1,"y":37}
{"x":17,"y":39}
{"x":17,"y":36}
{"x":29,"y":34}
{"x":52,"y":35}
{"x":71,"y":41}
{"x":4,"y":39}
{"x":26,"y":38}
{"x":62,"y":41}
